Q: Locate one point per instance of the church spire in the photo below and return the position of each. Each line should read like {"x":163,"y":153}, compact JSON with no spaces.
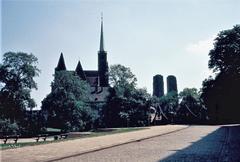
{"x":61,"y":64}
{"x":80,"y":72}
{"x":101,"y":37}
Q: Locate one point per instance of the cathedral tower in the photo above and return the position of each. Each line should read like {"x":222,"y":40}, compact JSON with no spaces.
{"x":158,"y":86}
{"x":172,"y":84}
{"x":102,"y":61}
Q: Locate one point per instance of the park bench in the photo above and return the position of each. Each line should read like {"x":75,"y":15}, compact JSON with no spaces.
{"x":14,"y":137}
{"x":43,"y":136}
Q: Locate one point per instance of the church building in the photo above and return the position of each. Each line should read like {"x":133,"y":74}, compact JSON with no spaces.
{"x":97,"y":79}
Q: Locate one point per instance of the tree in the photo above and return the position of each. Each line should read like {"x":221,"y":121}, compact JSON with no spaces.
{"x":191,"y":109}
{"x":66,"y":106}
{"x":225,"y":56}
{"x":126,"y":104}
{"x":221,"y":93}
{"x":189,"y":92}
{"x":123,"y":111}
{"x":169,"y":103}
{"x":16,"y":82}
{"x":7,"y":128}
{"x":122,"y":79}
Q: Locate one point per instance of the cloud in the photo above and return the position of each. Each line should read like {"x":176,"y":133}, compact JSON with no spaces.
{"x":201,"y":47}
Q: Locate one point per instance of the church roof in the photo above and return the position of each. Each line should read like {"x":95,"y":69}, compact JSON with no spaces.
{"x":80,"y":72}
{"x":91,"y":73}
{"x":61,"y":64}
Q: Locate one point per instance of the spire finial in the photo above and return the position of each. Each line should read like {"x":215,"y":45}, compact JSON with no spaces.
{"x":101,"y":36}
{"x":102,"y":16}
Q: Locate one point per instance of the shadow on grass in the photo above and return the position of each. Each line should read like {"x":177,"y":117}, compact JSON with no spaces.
{"x":220,"y":145}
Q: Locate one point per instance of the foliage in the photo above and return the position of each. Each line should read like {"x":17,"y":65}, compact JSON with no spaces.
{"x":32,"y":123}
{"x":16,"y":79}
{"x":122,"y":79}
{"x":126,"y":105}
{"x":169,"y":104}
{"x":221,"y":93}
{"x":65,"y":107}
{"x":8,"y":128}
{"x":189,"y":92}
{"x":225,"y":56}
{"x":132,"y":111}
{"x":191,"y":108}
{"x":169,"y":101}
{"x":185,"y":107}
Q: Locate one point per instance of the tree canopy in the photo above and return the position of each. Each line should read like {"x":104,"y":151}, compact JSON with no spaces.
{"x":221,"y":93}
{"x":122,"y":79}
{"x":225,"y":56}
{"x":65,"y":107}
{"x":17,"y":74}
{"x":191,"y":109}
{"x":126,"y":104}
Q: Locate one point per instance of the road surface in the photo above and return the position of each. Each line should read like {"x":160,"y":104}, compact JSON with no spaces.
{"x":194,"y":144}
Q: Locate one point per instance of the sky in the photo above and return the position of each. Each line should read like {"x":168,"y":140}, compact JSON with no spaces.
{"x":167,"y":37}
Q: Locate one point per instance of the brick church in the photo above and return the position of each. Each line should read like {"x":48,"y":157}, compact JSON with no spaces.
{"x":97,"y":79}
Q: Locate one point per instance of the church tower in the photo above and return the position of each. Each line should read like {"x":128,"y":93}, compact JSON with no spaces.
{"x":102,"y":61}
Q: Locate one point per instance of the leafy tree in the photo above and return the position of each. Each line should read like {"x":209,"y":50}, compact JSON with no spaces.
{"x":189,"y":92}
{"x":126,"y":105}
{"x":16,"y":82}
{"x":191,"y":109}
{"x":65,"y":107}
{"x":132,"y":111}
{"x":225,"y":56}
{"x":169,"y":103}
{"x":122,"y":79}
{"x":221,"y":93}
{"x":7,"y":128}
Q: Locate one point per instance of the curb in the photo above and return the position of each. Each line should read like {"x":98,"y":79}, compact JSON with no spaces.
{"x":115,"y":145}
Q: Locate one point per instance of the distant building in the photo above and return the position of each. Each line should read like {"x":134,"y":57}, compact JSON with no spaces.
{"x":158,"y":86}
{"x":171,"y":84}
{"x":97,"y":79}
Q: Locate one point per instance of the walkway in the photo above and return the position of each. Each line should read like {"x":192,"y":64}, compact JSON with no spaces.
{"x":59,"y":150}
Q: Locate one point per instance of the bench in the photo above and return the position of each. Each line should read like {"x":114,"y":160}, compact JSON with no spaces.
{"x":14,"y":137}
{"x":43,"y":136}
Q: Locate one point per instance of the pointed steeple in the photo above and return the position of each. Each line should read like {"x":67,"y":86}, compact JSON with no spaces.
{"x":80,"y":72}
{"x":61,"y":64}
{"x":101,"y":37}
{"x":102,"y":61}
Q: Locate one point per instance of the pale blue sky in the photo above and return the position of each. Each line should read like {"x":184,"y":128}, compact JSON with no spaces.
{"x":167,"y":37}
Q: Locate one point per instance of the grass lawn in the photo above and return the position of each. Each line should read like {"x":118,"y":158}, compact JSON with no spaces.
{"x":96,"y":133}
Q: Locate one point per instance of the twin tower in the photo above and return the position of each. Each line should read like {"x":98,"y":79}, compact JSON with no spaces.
{"x":158,"y":85}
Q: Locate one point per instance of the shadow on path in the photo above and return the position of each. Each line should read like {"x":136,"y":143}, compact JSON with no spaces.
{"x":220,"y":145}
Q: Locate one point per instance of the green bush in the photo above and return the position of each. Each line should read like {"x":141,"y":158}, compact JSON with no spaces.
{"x":8,"y":128}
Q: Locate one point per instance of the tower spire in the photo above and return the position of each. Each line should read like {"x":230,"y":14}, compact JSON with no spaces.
{"x":80,"y":72}
{"x":101,"y":36}
{"x":61,"y":64}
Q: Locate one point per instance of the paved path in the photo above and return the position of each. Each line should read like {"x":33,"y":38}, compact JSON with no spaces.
{"x":70,"y":148}
{"x":195,"y":144}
